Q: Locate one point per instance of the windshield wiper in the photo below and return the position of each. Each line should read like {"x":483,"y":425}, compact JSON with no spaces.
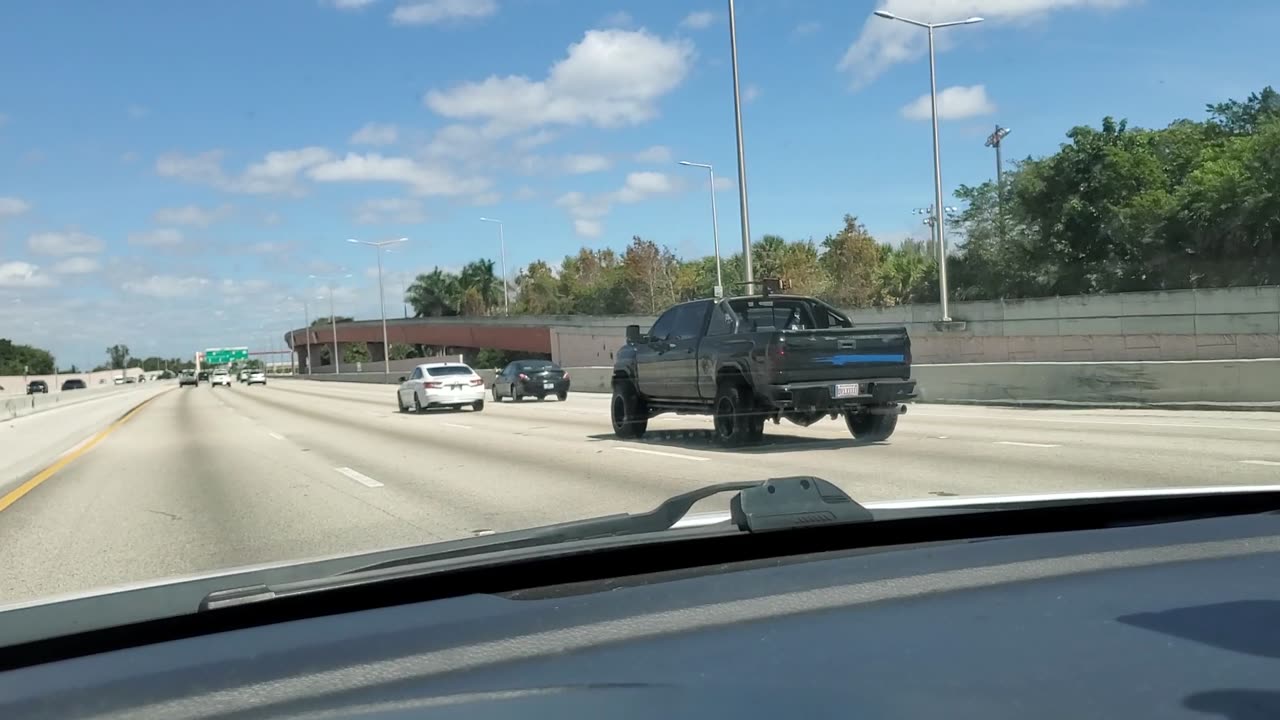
{"x":758,"y":506}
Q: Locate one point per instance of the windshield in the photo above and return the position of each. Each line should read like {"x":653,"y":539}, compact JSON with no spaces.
{"x":267,"y":244}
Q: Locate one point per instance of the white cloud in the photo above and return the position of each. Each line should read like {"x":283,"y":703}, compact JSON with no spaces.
{"x":390,"y":210}
{"x":4,"y":119}
{"x":276,"y":173}
{"x":137,"y":112}
{"x":203,"y":168}
{"x":77,"y":266}
{"x":610,"y":78}
{"x":18,"y":274}
{"x":160,"y":237}
{"x":191,"y":215}
{"x":524,"y":192}
{"x":351,"y":4}
{"x":582,"y":164}
{"x":422,"y":179}
{"x":655,"y":155}
{"x":272,"y":248}
{"x":698,"y":20}
{"x":750,"y":93}
{"x":72,"y":242}
{"x":167,"y":286}
{"x":428,"y":12}
{"x":13,"y":207}
{"x":534,"y":139}
{"x":954,"y":103}
{"x":885,"y":43}
{"x":724,"y":183}
{"x":485,"y":199}
{"x":271,"y":219}
{"x":618,"y":19}
{"x":588,"y":228}
{"x":588,"y":211}
{"x":375,"y":134}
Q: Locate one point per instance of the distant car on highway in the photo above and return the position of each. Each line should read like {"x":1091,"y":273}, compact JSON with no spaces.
{"x":73,"y":384}
{"x":538,"y":378}
{"x":453,"y":385}
{"x":202,"y":376}
{"x":37,"y":387}
{"x":117,"y":381}
{"x":257,"y":377}
{"x":188,"y":378}
{"x":242,"y":376}
{"x":220,"y":377}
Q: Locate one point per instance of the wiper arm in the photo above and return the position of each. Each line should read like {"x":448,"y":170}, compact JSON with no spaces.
{"x":759,"y":506}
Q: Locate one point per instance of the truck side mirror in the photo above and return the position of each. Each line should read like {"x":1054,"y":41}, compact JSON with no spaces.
{"x":633,"y":334}
{"x":403,"y":378}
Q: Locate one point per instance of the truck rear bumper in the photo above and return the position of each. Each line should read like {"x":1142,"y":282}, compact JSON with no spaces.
{"x":823,"y":396}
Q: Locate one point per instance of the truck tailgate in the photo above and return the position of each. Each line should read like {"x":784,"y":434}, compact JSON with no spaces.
{"x":840,"y":354}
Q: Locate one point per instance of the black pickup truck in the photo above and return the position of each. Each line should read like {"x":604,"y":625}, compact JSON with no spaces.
{"x":748,"y":359}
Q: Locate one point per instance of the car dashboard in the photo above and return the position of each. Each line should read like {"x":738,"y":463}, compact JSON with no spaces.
{"x":1172,"y":620}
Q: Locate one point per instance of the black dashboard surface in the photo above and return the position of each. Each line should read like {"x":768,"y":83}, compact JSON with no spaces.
{"x":1168,"y":621}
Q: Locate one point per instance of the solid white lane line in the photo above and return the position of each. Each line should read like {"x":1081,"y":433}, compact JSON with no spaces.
{"x":277,"y":436}
{"x":1269,"y":463}
{"x":457,"y":425}
{"x":663,"y":454}
{"x":1024,"y":444}
{"x":361,"y":478}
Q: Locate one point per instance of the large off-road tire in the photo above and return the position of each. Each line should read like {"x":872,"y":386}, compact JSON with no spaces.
{"x":627,"y":411}
{"x":870,"y":428}
{"x":733,"y":418}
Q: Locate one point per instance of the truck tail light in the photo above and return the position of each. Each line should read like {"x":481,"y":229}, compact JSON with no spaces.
{"x":522,"y":376}
{"x":566,"y":374}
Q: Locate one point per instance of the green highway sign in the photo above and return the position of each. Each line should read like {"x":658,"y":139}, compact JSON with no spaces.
{"x":223,"y":356}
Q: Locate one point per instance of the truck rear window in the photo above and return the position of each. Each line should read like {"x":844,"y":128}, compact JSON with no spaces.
{"x":786,"y":315}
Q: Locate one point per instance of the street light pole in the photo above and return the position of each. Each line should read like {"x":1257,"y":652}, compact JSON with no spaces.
{"x":937,"y":153}
{"x":744,"y":218}
{"x":502,"y":243}
{"x":715,"y":223}
{"x":333,"y":321}
{"x":382,"y":305}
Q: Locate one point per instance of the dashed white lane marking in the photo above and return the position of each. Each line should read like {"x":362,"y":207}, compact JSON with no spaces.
{"x":374,"y":413}
{"x":1025,"y":444}
{"x":1269,"y":463}
{"x":359,"y":477}
{"x":275,"y":435}
{"x":663,"y":454}
{"x":457,"y":425}
{"x":1080,"y":421}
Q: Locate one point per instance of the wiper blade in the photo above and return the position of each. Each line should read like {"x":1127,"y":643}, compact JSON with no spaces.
{"x":759,"y":506}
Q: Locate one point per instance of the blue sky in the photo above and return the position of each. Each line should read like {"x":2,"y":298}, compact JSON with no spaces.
{"x":174,"y":172}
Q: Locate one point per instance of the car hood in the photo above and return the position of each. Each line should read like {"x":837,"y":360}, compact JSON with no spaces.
{"x":174,"y":596}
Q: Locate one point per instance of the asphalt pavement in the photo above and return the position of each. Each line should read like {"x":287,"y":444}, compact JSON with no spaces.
{"x":197,"y":479}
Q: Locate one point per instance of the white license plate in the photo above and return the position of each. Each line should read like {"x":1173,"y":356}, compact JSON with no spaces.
{"x":844,"y":390}
{"x":548,"y":386}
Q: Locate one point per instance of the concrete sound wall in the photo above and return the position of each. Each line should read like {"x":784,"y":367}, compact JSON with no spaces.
{"x":1220,"y":384}
{"x":1212,"y":324}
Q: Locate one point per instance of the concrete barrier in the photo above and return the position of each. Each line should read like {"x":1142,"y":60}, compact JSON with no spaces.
{"x":1216,"y":384}
{"x":20,"y":405}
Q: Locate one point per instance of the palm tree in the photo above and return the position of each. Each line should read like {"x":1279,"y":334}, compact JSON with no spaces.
{"x":478,"y":275}
{"x":433,"y":294}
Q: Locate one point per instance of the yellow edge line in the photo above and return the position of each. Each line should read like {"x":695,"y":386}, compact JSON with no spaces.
{"x":16,"y":494}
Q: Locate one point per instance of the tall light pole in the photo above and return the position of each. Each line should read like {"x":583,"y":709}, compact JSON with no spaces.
{"x":333,"y":320}
{"x":502,"y":243}
{"x":937,"y":155}
{"x":382,"y":305}
{"x":715,"y":224}
{"x":744,"y":220}
{"x":993,"y":141}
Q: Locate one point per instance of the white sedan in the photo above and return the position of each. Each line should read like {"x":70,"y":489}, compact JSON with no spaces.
{"x":256,"y":377}
{"x":441,"y":385}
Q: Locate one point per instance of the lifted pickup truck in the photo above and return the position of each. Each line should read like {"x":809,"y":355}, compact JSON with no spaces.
{"x":748,"y":359}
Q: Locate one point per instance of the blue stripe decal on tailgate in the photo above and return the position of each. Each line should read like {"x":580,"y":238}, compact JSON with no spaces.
{"x":854,"y":359}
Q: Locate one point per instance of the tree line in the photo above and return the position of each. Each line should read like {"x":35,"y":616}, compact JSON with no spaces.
{"x":1115,"y":209}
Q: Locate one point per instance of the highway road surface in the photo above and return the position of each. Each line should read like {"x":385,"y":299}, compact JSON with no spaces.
{"x":199,"y":479}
